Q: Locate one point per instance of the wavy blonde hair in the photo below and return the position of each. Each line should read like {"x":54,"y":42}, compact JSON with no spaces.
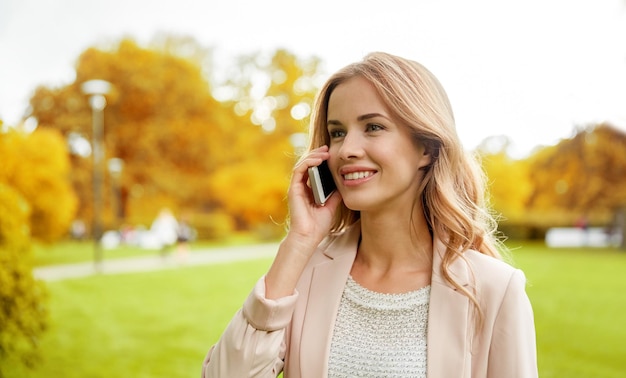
{"x":453,"y":188}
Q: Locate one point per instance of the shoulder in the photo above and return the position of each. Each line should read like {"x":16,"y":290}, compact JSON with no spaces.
{"x":487,"y":265}
{"x":494,"y":278}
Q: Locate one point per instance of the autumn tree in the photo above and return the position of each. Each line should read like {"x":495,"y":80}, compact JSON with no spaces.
{"x":181,"y":147}
{"x":508,"y":180}
{"x":23,"y":301}
{"x":161,"y":121}
{"x":584,"y":175}
{"x":274,"y":94}
{"x":36,"y":165}
{"x":36,"y":201}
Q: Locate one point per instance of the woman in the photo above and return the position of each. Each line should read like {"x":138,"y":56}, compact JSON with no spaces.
{"x":398,"y":274}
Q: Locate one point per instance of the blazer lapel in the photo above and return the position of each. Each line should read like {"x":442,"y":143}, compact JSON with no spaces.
{"x":328,"y":280}
{"x":448,"y":319}
{"x":448,"y":345}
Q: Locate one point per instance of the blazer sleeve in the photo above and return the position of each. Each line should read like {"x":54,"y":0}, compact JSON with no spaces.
{"x":513,"y":352}
{"x":252,"y":344}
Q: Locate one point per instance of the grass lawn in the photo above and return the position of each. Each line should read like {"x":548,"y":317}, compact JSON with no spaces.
{"x":161,"y":324}
{"x":74,"y":251}
{"x":580,"y":306}
{"x":144,"y":325}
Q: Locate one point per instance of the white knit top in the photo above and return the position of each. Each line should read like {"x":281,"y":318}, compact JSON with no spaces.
{"x":379,"y":335}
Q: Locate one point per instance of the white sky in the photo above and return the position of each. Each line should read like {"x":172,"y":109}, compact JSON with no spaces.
{"x":529,"y":69}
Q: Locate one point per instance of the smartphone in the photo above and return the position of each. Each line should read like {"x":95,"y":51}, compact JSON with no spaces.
{"x":322,"y":182}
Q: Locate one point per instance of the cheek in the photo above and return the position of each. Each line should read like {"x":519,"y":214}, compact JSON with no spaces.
{"x":333,"y":150}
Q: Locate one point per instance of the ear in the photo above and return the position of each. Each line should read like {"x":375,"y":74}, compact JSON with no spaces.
{"x":426,"y":158}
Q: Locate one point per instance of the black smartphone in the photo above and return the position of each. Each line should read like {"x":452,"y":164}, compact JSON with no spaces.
{"x":322,"y":182}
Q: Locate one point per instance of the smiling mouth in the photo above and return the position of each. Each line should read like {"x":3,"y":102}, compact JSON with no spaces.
{"x":357,"y":175}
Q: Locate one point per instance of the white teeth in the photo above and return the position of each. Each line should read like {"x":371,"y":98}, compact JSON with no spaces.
{"x":357,"y":175}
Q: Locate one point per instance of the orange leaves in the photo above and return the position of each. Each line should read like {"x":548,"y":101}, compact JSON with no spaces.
{"x":254,"y":192}
{"x":582,"y":175}
{"x":180,"y":146}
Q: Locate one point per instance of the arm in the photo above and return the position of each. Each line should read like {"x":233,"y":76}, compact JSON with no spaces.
{"x":309,"y":225}
{"x":252,"y":345}
{"x":513,"y":350}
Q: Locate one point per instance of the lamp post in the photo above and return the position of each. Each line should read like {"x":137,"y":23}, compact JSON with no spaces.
{"x":116,"y":165}
{"x":96,"y":89}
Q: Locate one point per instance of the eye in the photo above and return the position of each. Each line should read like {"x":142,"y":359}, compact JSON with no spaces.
{"x":374,"y":127}
{"x":336,"y":133}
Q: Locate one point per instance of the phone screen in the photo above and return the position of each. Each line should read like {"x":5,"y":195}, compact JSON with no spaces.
{"x":322,"y":182}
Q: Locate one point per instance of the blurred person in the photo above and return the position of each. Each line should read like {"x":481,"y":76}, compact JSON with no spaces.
{"x":399,"y":273}
{"x":184,"y":235}
{"x":78,"y":229}
{"x":164,"y":230}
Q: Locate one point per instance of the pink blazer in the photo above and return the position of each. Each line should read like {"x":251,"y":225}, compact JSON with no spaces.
{"x":293,"y":334}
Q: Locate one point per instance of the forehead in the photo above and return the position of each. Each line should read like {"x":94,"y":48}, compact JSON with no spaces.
{"x":355,"y":96}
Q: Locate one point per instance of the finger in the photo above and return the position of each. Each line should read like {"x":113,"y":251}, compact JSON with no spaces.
{"x":313,"y":159}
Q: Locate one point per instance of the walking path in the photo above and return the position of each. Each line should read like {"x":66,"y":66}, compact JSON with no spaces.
{"x":151,"y":263}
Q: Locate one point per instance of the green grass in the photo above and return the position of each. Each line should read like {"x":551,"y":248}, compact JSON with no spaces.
{"x":161,"y":324}
{"x":158,"y":324}
{"x":579,"y":304}
{"x":73,"y":251}
{"x":70,"y":252}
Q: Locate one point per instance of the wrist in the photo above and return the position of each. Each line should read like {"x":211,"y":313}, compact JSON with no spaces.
{"x":293,"y":255}
{"x":296,"y":242}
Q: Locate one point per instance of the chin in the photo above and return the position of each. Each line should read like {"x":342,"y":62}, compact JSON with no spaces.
{"x":359,"y":204}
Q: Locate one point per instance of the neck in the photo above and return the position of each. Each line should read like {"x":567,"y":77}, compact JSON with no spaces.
{"x":388,"y":243}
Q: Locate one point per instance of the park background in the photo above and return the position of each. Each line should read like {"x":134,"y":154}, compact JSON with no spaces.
{"x":210,"y":129}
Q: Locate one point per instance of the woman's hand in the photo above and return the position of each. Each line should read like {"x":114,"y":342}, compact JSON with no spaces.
{"x":307,"y":219}
{"x":309,"y":225}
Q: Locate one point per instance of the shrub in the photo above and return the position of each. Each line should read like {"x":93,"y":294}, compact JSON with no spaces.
{"x":23,"y":311}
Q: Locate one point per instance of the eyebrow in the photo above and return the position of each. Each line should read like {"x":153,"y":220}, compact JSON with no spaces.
{"x":360,"y":118}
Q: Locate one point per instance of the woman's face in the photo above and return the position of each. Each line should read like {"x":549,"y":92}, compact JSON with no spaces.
{"x":375,"y":161}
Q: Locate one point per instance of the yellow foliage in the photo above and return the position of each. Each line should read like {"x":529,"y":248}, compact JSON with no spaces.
{"x":14,"y":215}
{"x":23,"y":310}
{"x":180,"y":146}
{"x":252,"y":191}
{"x":36,"y":165}
{"x":509,"y":185}
{"x":581,"y":176}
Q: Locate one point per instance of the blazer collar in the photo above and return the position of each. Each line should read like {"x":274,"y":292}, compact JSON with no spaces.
{"x":328,"y":280}
{"x":448,"y":319}
{"x":448,"y":347}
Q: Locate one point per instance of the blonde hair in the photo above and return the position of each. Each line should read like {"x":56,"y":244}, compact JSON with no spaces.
{"x":453,"y":188}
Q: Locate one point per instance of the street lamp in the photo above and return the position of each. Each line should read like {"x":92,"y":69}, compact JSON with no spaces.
{"x":116,"y":165}
{"x":96,"y":89}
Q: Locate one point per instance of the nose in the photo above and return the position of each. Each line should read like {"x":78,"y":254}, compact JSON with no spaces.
{"x":351,"y":147}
